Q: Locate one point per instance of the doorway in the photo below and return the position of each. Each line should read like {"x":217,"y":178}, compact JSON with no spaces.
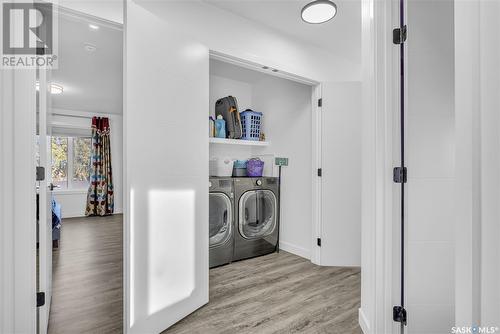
{"x":80,"y":271}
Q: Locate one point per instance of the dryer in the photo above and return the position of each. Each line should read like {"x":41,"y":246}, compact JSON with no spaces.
{"x":256,"y":215}
{"x":221,"y":221}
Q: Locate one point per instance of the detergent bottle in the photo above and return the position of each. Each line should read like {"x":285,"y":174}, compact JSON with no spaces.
{"x":220,"y":127}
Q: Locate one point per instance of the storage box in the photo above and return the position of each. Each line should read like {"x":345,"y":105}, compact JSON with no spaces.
{"x":220,"y":167}
{"x":240,"y":168}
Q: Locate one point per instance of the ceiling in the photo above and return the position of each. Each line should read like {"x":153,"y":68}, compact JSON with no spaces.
{"x":341,"y":35}
{"x":92,"y":81}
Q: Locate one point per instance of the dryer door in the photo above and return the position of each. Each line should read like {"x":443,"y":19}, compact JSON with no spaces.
{"x":257,"y":214}
{"x":220,"y":218}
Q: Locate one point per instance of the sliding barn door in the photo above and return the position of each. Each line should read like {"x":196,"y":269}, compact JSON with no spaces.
{"x":166,"y":172}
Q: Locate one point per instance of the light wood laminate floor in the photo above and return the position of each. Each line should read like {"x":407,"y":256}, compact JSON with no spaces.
{"x":276,"y":293}
{"x":87,"y":277}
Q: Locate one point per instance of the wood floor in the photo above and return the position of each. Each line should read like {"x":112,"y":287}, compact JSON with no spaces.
{"x":87,"y":277}
{"x":276,"y":293}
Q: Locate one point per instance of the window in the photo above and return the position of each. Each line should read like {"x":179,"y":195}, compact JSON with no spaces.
{"x":71,"y":162}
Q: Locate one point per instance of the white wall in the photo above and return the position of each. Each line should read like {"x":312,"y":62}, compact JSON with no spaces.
{"x":477,"y":49}
{"x":431,"y":167}
{"x":287,"y":124}
{"x":73,"y":201}
{"x":227,"y":33}
{"x":490,"y":163}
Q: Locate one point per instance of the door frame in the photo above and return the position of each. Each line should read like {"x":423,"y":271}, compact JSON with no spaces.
{"x":316,"y":184}
{"x":380,"y":137}
{"x":18,"y":202}
{"x":316,"y":128}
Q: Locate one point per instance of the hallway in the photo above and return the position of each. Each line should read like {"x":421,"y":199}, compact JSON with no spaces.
{"x":277,"y":293}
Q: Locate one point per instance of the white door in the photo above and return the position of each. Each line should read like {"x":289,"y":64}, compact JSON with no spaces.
{"x":45,"y":200}
{"x":166,"y":172}
{"x":341,"y":173}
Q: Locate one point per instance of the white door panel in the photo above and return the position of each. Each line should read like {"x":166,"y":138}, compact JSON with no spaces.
{"x":341,"y":173}
{"x":166,"y":150}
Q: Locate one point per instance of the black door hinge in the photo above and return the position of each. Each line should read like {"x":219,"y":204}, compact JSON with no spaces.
{"x":40,"y":299}
{"x":320,"y":102}
{"x":399,"y":314}
{"x":400,"y":175}
{"x":40,"y":173}
{"x":399,"y":35}
{"x":320,"y":172}
{"x":318,"y":242}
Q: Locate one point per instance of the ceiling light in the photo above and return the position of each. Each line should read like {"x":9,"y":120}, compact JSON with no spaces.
{"x":54,"y":88}
{"x":93,"y":27}
{"x":319,"y":11}
{"x":89,"y":47}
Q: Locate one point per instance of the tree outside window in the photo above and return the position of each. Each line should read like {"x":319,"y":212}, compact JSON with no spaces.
{"x":60,"y":162}
{"x":81,"y":162}
{"x":71,"y":158}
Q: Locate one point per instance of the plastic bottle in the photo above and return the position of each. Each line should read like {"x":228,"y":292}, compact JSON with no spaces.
{"x":220,"y":127}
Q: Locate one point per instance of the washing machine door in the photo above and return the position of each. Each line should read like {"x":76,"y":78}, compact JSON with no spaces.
{"x":220,"y":219}
{"x":257,"y":216}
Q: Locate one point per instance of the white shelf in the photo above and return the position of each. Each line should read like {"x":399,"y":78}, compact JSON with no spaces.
{"x":226,"y":141}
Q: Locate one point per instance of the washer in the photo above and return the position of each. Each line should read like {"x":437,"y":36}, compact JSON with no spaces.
{"x":221,"y":221}
{"x":256,"y":212}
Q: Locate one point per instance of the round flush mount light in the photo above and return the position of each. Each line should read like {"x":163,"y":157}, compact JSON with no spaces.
{"x":319,"y":11}
{"x":54,"y":88}
{"x":93,"y":26}
{"x":89,"y":47}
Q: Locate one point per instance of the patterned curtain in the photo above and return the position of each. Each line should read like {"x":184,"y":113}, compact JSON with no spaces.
{"x":100,"y":199}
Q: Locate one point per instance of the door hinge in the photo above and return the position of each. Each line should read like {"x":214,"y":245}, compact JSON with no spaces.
{"x":40,"y":299}
{"x":318,"y":242}
{"x":320,"y":172}
{"x":40,"y":173}
{"x":400,"y":175}
{"x":399,"y":35}
{"x":320,"y":102}
{"x":399,"y":314}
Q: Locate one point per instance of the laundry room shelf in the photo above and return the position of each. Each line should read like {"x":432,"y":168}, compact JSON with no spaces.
{"x":225,"y":141}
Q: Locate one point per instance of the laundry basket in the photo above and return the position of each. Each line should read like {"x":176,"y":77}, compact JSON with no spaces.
{"x":250,"y":124}
{"x":255,"y":167}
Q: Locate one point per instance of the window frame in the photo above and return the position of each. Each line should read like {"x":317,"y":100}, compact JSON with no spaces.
{"x":70,"y":185}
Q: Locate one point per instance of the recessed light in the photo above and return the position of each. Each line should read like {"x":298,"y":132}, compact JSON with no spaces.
{"x":54,"y":88}
{"x":319,"y":11}
{"x":93,"y":26}
{"x":89,"y":47}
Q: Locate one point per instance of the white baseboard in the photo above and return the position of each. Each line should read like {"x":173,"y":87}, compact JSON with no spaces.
{"x":81,"y":214}
{"x":299,"y":251}
{"x":363,"y":322}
